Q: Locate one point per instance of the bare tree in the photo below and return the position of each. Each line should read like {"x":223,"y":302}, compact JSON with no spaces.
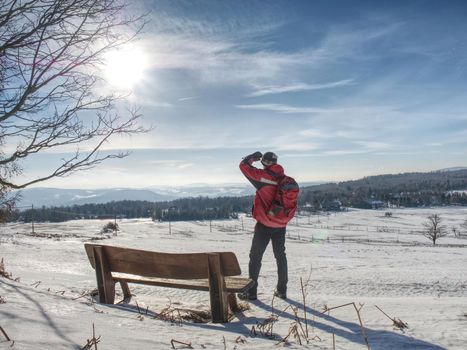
{"x":50,"y":90}
{"x":433,"y":228}
{"x":464,"y":228}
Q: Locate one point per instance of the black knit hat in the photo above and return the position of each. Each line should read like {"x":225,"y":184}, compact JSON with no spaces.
{"x":269,"y":158}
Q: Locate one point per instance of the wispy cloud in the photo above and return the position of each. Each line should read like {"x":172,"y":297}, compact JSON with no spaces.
{"x":177,"y":164}
{"x":226,"y":53}
{"x":373,"y":145}
{"x":280,"y":108}
{"x":297,"y":87}
{"x":343,"y":152}
{"x":188,"y":98}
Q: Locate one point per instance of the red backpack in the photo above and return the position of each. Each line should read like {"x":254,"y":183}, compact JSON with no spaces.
{"x":284,"y":205}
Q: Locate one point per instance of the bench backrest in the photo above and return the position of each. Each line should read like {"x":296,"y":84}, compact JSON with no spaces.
{"x":163,"y":265}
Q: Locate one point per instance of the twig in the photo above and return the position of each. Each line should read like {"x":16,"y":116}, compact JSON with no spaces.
{"x":396,"y":322}
{"x":253,"y":332}
{"x":94,"y":336}
{"x":4,"y":333}
{"x":309,"y":276}
{"x":36,"y":284}
{"x":265,"y":328}
{"x":304,"y":307}
{"x":139,"y":311}
{"x":240,"y":340}
{"x":223,"y":342}
{"x":96,"y":309}
{"x":326,"y":309}
{"x":361,"y":324}
{"x":173,"y":341}
{"x":85,"y":293}
{"x":93,"y":341}
{"x":333,"y":341}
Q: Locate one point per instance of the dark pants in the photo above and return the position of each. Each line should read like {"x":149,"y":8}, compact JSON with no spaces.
{"x":261,"y":238}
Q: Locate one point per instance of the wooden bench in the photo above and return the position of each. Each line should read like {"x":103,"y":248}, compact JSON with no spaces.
{"x":213,"y":272}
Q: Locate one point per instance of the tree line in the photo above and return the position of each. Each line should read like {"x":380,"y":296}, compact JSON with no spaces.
{"x":405,"y":190}
{"x":185,"y":209}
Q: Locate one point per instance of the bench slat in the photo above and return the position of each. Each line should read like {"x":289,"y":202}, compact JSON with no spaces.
{"x":163,"y":265}
{"x":233,"y":284}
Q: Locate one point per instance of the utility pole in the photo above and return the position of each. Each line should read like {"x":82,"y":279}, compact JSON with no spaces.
{"x":32,"y":218}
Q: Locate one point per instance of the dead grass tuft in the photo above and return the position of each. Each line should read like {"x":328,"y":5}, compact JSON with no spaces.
{"x":3,"y":272}
{"x":397,"y":323}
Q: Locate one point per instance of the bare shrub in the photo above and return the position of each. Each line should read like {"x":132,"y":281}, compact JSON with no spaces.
{"x":110,"y":227}
{"x":3,"y":272}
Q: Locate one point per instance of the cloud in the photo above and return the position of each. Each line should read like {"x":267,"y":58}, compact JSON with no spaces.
{"x":343,"y":152}
{"x":280,"y":108}
{"x":188,"y":98}
{"x":373,"y":145}
{"x":279,"y":89}
{"x":237,"y":52}
{"x":171,"y":163}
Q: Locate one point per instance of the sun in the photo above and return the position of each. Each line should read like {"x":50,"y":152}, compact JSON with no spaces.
{"x":125,"y":67}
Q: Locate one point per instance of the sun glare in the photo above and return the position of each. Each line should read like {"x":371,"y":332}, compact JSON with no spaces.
{"x":124,"y":68}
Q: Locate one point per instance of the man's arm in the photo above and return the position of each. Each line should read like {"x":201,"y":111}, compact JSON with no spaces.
{"x":254,"y":175}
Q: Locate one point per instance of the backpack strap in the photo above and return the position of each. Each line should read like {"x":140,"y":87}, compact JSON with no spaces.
{"x":273,"y":174}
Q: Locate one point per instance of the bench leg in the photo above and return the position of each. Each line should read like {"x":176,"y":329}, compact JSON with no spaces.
{"x":105,"y":282}
{"x":233,"y":302}
{"x":126,"y":291}
{"x":217,"y":293}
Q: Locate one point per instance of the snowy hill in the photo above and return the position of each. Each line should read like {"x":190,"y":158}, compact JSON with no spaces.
{"x":45,"y":196}
{"x":359,"y":256}
{"x":48,"y":197}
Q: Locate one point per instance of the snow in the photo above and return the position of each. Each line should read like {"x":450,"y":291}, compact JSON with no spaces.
{"x":358,"y":256}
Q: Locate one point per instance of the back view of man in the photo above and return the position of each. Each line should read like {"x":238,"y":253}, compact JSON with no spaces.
{"x":267,"y":229}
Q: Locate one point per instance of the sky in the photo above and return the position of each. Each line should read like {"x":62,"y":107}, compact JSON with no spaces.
{"x":338,"y":90}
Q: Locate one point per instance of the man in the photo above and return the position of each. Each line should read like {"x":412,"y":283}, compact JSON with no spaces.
{"x":265,"y":181}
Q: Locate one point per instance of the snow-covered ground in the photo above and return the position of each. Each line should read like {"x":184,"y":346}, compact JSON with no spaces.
{"x":359,"y":256}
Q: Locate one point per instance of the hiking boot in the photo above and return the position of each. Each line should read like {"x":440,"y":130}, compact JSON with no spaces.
{"x":280,"y":295}
{"x":247,"y":296}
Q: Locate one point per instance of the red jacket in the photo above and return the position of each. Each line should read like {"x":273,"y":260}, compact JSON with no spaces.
{"x":265,"y":182}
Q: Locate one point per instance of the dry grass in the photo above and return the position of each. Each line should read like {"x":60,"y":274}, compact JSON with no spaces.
{"x":4,"y":273}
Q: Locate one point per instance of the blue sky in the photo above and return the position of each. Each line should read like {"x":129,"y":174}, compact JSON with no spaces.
{"x":338,"y":89}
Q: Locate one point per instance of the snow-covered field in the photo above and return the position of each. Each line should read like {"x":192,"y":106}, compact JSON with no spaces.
{"x":357,"y":256}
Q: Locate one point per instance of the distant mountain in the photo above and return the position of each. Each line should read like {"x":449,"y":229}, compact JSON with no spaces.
{"x":451,"y":169}
{"x":205,"y":190}
{"x":42,"y":196}
{"x":45,"y":196}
